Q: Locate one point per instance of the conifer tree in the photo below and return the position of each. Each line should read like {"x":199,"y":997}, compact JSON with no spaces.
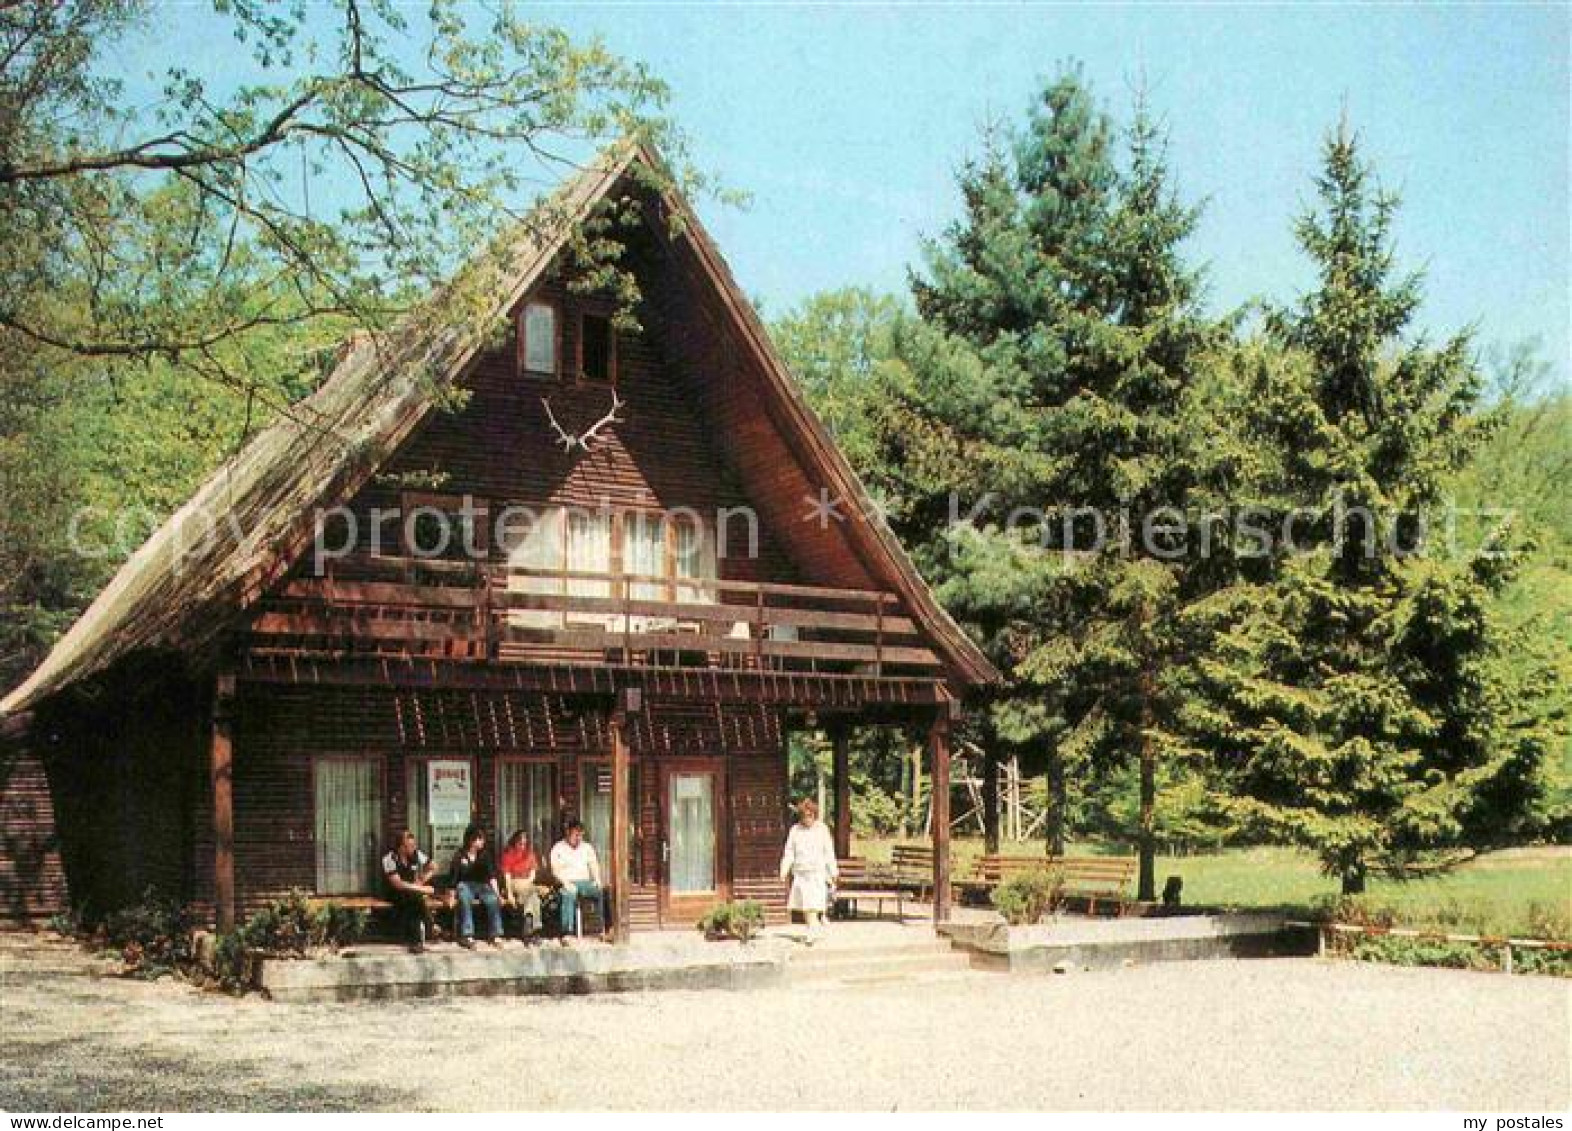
{"x":1051,"y":374}
{"x":1355,"y":698}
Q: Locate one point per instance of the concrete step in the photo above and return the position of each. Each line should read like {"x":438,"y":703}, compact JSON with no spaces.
{"x":829,"y":952}
{"x":869,"y":965}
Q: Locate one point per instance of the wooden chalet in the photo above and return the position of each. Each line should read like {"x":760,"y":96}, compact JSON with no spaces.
{"x":696,"y":573}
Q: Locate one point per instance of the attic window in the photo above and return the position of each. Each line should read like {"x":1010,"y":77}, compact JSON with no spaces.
{"x":538,"y":338}
{"x":597,"y":348}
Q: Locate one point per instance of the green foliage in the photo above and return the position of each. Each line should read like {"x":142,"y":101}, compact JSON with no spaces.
{"x":152,"y":936}
{"x":1054,"y":363}
{"x":291,"y":927}
{"x":1400,"y":950}
{"x":1451,"y":918}
{"x":740,"y":919}
{"x":1356,"y":699}
{"x":1190,"y":816}
{"x":1025,"y":898}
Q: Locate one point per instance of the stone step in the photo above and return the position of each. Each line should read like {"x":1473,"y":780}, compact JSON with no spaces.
{"x":833,"y":950}
{"x":886,"y":967}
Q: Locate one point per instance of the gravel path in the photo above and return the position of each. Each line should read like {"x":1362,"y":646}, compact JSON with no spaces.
{"x":1293,"y":1034}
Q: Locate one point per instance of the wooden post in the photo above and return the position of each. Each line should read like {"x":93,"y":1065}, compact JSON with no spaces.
{"x":840,"y":743}
{"x":221,"y":776}
{"x":939,"y":744}
{"x":1146,"y":881}
{"x":990,"y":800}
{"x":628,"y":701}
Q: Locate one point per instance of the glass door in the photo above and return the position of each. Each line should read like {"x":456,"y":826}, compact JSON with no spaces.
{"x":690,"y":815}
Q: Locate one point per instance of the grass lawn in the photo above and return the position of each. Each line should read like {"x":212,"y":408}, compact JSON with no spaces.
{"x":1494,"y":894}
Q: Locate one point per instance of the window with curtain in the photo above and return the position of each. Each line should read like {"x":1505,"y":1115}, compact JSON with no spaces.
{"x":542,"y":548}
{"x":417,"y":812}
{"x":348,"y":824}
{"x":595,"y":806}
{"x":644,"y":552}
{"x":589,"y":551}
{"x":417,"y":808}
{"x":644,"y":555}
{"x":538,"y":325}
{"x":693,"y":561}
{"x":527,"y":799}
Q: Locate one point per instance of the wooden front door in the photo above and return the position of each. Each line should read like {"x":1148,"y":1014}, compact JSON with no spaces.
{"x":695,"y":873}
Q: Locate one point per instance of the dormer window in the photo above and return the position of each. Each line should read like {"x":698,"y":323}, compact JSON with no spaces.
{"x":597,"y":348}
{"x":538,"y":339}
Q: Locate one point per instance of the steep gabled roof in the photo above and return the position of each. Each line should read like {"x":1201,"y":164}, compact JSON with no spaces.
{"x":250,"y":521}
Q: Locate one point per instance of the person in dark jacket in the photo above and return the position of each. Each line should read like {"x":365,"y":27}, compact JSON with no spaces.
{"x":408,"y":871}
{"x":475,"y":881}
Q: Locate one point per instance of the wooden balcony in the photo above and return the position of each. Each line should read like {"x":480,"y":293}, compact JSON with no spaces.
{"x":482,"y":613}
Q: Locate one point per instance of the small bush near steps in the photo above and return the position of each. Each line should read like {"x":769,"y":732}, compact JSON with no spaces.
{"x":292,"y":927}
{"x":152,"y":936}
{"x":1024,"y":899}
{"x":740,"y":920}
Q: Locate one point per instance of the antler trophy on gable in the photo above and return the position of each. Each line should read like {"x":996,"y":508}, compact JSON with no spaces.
{"x":582,"y":440}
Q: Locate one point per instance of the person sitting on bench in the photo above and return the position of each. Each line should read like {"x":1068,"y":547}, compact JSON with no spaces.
{"x":408,"y":871}
{"x":577,"y":868}
{"x":474,"y":881}
{"x":519,"y":866}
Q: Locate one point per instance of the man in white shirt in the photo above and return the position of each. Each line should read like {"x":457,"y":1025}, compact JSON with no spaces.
{"x":576,"y":866}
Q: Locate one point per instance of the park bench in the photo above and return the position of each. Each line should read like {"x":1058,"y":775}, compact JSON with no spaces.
{"x":1096,"y":877}
{"x":913,"y":868}
{"x":859,"y":883}
{"x":992,"y":870}
{"x":1092,"y":878}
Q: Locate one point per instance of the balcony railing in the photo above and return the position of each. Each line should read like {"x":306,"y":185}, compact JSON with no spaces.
{"x":484,"y":612}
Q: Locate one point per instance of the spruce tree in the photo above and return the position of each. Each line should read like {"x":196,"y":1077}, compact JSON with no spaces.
{"x":1059,"y":346}
{"x":1354,"y":699}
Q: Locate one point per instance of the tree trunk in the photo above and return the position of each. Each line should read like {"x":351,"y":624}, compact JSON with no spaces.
{"x":1057,"y":802}
{"x":990,"y":801}
{"x":1146,"y":888}
{"x":1354,"y":880}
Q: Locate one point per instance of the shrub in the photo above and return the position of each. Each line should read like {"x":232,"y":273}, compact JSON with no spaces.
{"x":1026,"y":898}
{"x":152,"y":935}
{"x":1404,"y":951}
{"x":1551,"y":923}
{"x":740,"y":920}
{"x":1357,"y":910}
{"x":69,"y":923}
{"x":291,"y":927}
{"x":295,"y":926}
{"x":1557,"y":963}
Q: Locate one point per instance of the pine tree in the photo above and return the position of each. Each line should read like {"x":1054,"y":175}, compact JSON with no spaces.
{"x":1354,"y":699}
{"x":1052,"y":371}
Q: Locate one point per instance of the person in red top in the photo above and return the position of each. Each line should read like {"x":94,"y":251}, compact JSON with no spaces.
{"x":519,"y":866}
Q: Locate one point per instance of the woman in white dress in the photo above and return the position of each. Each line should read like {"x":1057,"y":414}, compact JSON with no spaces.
{"x":809,"y":862}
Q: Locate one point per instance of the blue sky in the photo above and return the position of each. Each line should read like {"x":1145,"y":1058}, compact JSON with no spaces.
{"x":845,"y":123}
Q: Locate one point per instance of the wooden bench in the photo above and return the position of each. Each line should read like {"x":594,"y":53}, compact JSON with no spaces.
{"x":1091,"y":878}
{"x":992,"y":870}
{"x":913,"y":868}
{"x":1097,"y":877}
{"x":860,"y":882}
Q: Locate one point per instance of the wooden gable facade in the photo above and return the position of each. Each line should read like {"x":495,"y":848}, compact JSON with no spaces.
{"x":605,"y":586}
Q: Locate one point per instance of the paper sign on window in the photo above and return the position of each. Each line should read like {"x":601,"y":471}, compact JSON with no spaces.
{"x":448,"y":788}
